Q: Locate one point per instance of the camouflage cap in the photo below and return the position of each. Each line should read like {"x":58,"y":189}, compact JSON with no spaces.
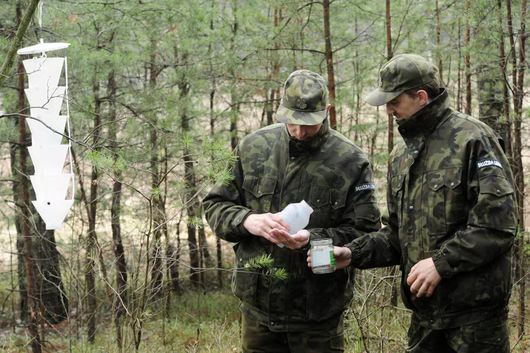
{"x":304,"y":99}
{"x":401,"y":73}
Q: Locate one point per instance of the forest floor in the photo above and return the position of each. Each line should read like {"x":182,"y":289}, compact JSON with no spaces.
{"x":198,"y":322}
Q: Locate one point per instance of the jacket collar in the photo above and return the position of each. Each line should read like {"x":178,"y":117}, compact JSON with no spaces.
{"x":297,"y":147}
{"x":425,"y":121}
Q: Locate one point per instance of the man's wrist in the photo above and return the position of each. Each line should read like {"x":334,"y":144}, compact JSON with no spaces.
{"x":353,"y":253}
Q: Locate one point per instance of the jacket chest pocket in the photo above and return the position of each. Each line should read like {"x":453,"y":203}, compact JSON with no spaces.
{"x":259,"y":193}
{"x":445,"y":200}
{"x":327,"y":204}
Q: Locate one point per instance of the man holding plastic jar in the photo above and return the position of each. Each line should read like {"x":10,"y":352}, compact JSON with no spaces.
{"x":452,"y":219}
{"x":300,"y":158}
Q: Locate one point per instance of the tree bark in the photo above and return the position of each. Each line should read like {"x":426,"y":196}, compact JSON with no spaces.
{"x":192,"y":204}
{"x":459,"y":69}
{"x":22,"y":26}
{"x":219,"y":253}
{"x":120,"y":295}
{"x":234,"y":105}
{"x":90,"y":276}
{"x":467,"y":58}
{"x":518,"y":68}
{"x":51,"y":294}
{"x":329,"y":65}
{"x":157,"y":199}
{"x":438,"y":40}
{"x":389,"y":55}
{"x":505,"y":93}
{"x":34,"y":313}
{"x":390,"y":137}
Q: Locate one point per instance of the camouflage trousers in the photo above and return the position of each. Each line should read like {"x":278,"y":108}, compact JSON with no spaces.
{"x":258,"y":338}
{"x":487,"y":336}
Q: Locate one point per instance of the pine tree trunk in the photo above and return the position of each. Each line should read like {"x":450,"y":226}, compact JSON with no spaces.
{"x":467,"y":58}
{"x":49,"y":284}
{"x":459,"y":69}
{"x":91,"y":234}
{"x":22,"y":26}
{"x":329,"y":65}
{"x":157,"y":199}
{"x":219,"y":253}
{"x":390,"y":137}
{"x":518,"y":68}
{"x":389,"y":55}
{"x":120,"y":294}
{"x":191,"y":200}
{"x":14,"y":152}
{"x":234,"y":105}
{"x":33,"y":306}
{"x":438,"y":40}
{"x":503,"y":79}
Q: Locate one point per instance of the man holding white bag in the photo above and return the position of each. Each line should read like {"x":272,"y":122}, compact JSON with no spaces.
{"x":299,"y":159}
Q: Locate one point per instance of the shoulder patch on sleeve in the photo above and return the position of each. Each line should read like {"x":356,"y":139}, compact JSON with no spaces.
{"x":364,"y":187}
{"x":488,"y":163}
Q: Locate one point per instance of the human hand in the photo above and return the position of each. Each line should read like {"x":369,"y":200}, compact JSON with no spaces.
{"x":292,"y":241}
{"x":262,"y":224}
{"x":423,"y":278}
{"x":342,"y":256}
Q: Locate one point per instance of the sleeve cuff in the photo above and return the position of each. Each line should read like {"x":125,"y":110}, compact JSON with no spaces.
{"x":239,"y":220}
{"x":442,"y":266}
{"x":355,"y":249}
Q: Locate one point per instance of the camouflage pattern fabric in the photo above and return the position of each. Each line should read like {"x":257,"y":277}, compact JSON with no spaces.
{"x":487,"y":336}
{"x":273,"y":170}
{"x":401,"y":73}
{"x":450,"y":196}
{"x":256,"y":337}
{"x":304,"y":100}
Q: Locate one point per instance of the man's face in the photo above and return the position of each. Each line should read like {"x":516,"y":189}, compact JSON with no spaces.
{"x":303,"y":132}
{"x":404,"y":106}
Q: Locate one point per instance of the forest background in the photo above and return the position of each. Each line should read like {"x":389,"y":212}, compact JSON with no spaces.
{"x":160,"y":93}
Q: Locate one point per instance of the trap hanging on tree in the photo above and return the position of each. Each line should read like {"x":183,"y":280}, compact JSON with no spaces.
{"x":47,"y":94}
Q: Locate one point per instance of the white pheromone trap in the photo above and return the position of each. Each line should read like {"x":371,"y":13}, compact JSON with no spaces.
{"x":47,"y":100}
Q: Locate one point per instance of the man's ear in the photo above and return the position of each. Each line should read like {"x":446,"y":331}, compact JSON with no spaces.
{"x":423,"y":97}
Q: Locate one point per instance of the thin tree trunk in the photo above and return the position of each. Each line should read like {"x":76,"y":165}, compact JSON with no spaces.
{"x":329,"y":65}
{"x":212,"y":79}
{"x":189,"y":177}
{"x":390,"y":137}
{"x":120,"y":296}
{"x":467,"y":58}
{"x":459,"y":69}
{"x":92,"y":206}
{"x":506,"y":96}
{"x":34,"y":313}
{"x":234,"y":105}
{"x":22,"y":26}
{"x":192,"y":203}
{"x":219,"y":253}
{"x":174,"y":259}
{"x":518,"y":69}
{"x":158,"y":206}
{"x":438,"y":40}
{"x":356,"y":90}
{"x":14,"y":152}
{"x":389,"y":55}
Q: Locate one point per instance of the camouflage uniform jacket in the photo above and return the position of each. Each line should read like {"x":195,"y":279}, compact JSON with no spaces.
{"x":272,"y":170}
{"x":450,"y":196}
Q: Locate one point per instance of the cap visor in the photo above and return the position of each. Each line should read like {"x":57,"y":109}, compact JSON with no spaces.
{"x":378,"y":97}
{"x":288,"y":116}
